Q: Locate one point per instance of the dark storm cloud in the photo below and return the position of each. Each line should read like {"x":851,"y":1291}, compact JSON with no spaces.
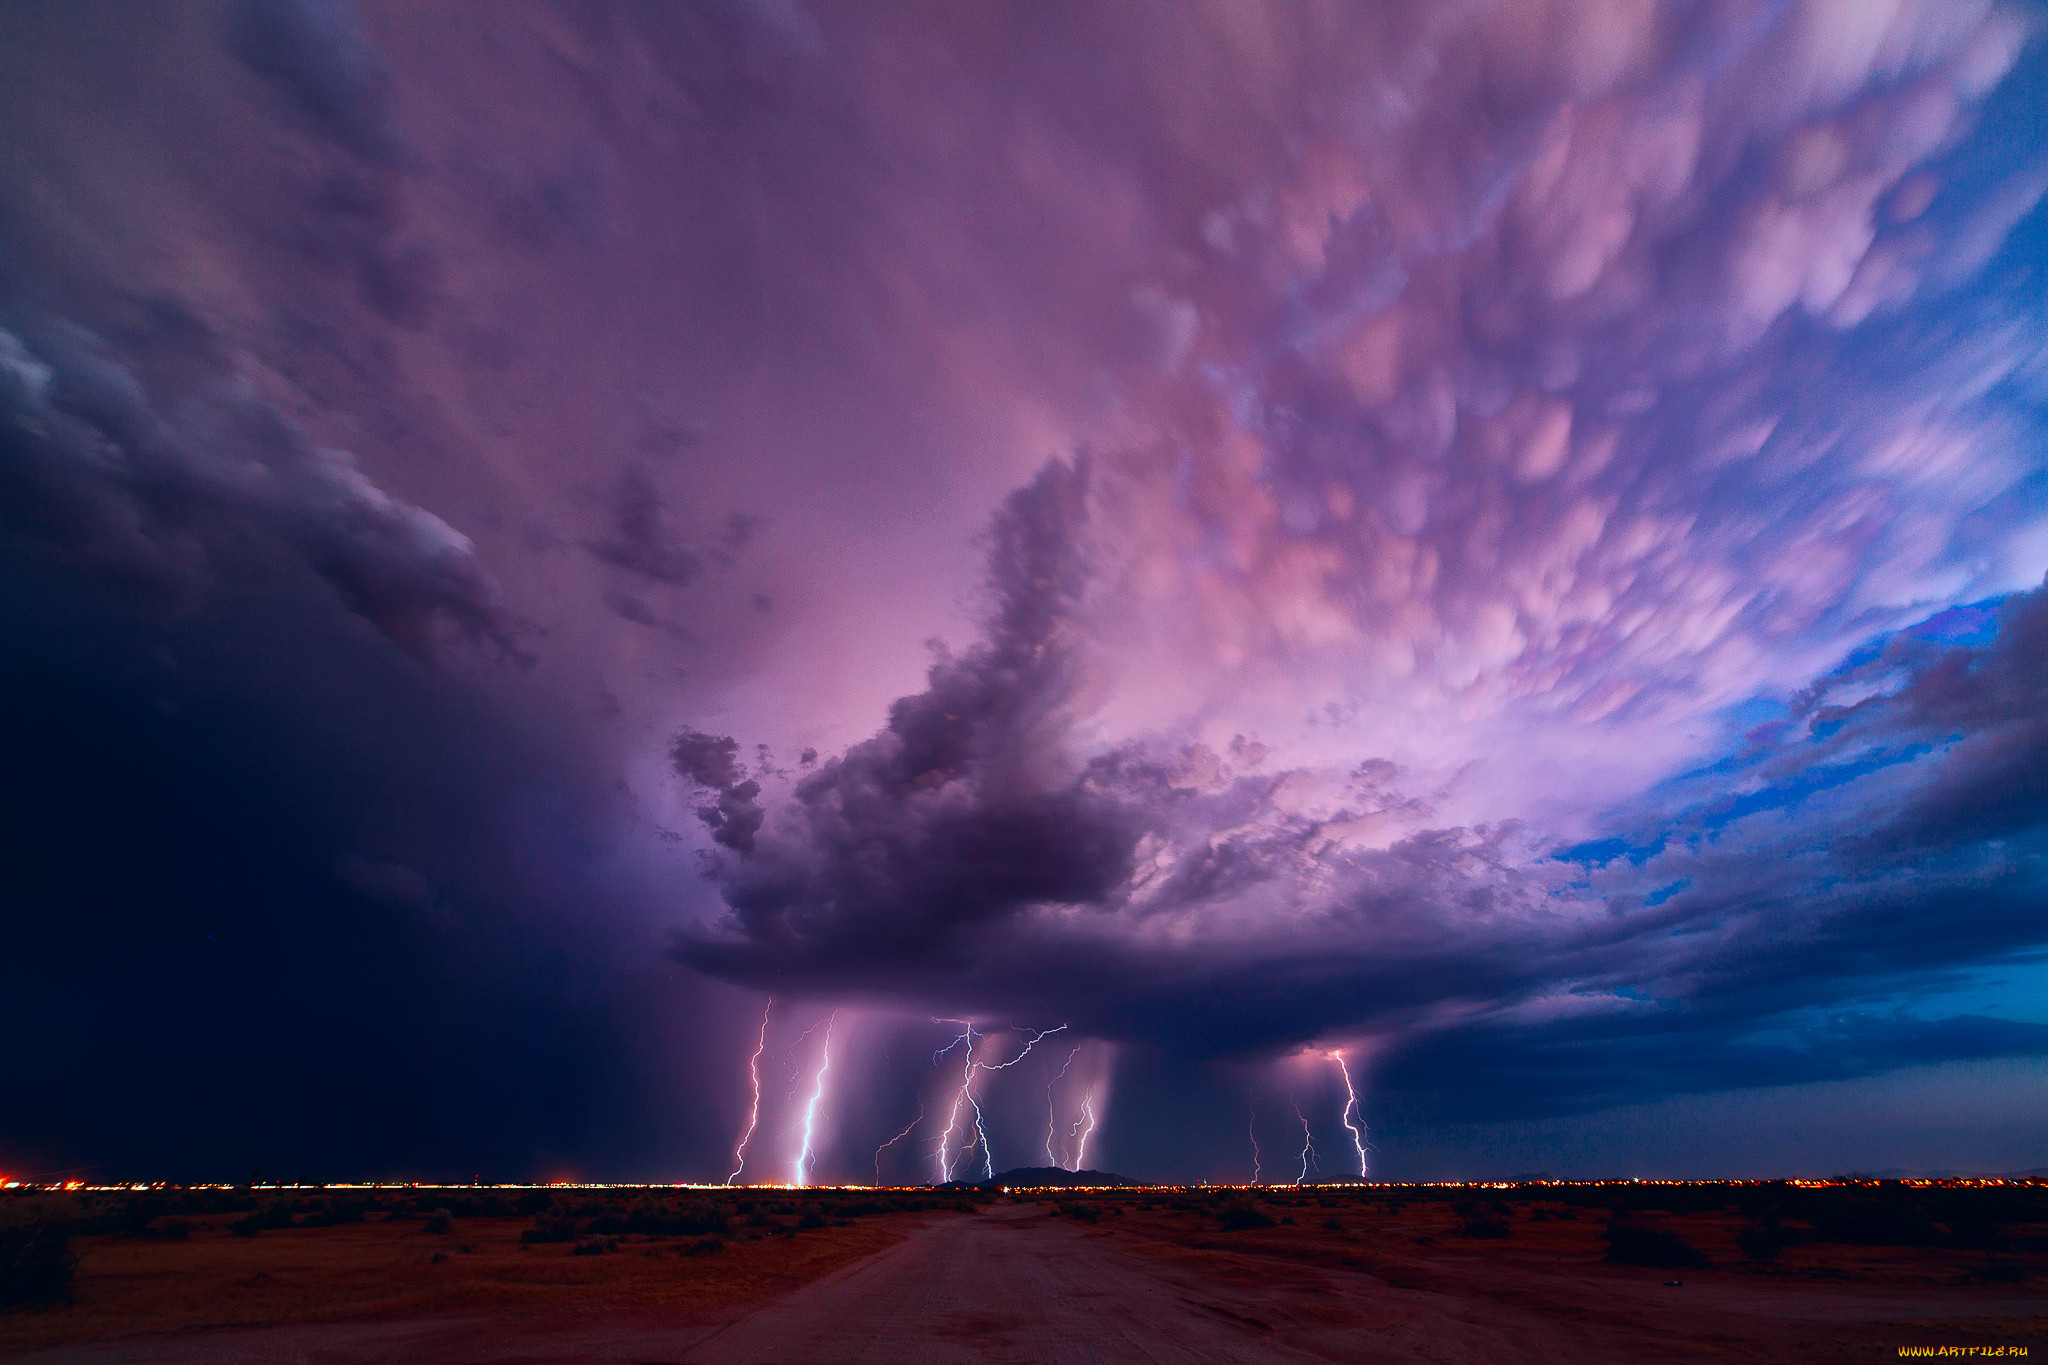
{"x":712,"y":764}
{"x":644,"y":540}
{"x":1990,"y":701}
{"x":97,"y":479}
{"x":301,"y":873}
{"x":959,"y":857}
{"x":915,"y":845}
{"x":259,"y":904}
{"x":1511,"y":389}
{"x":310,"y":50}
{"x":1493,"y":1073}
{"x":247,"y":838}
{"x":569,"y":205}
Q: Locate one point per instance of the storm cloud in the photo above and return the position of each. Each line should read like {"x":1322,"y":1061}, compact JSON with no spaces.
{"x":1504,"y":539}
{"x":1446,"y":494}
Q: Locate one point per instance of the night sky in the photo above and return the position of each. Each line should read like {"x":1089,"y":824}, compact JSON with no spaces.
{"x":1492,"y":551}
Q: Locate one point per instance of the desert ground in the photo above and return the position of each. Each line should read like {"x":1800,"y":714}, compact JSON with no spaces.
{"x":1367,"y":1273}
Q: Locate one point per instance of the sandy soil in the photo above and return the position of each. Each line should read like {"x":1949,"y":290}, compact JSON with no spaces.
{"x":384,"y":1291}
{"x":1017,"y":1285}
{"x":1146,"y":1282}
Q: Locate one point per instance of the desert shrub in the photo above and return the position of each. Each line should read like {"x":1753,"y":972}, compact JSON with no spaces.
{"x":532,"y":1203}
{"x":1481,"y":1226}
{"x":440,"y":1222}
{"x":171,"y":1230}
{"x":246,"y":1227}
{"x":1242,"y":1217}
{"x":813,"y":1218}
{"x":550,"y":1227}
{"x":1996,"y":1272}
{"x":1892,"y":1221}
{"x":339,"y":1211}
{"x":1759,"y":1244}
{"x":1079,"y":1212}
{"x":691,"y":1218}
{"x":607,"y":1224}
{"x":594,"y":1246}
{"x":36,"y":1266}
{"x":1977,"y":1235}
{"x":133,"y":1219}
{"x":278,"y":1214}
{"x":1634,"y":1244}
{"x":706,"y":1246}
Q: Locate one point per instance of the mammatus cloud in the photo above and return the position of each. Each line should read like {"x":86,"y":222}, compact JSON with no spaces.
{"x":1206,"y":903}
{"x":1542,"y":605}
{"x":1459,"y":446}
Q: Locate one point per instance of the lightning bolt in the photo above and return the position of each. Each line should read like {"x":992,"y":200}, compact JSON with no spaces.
{"x":1308,"y":1147}
{"x":893,"y":1141}
{"x":988,"y":1161}
{"x":739,"y":1153}
{"x":1351,"y":1108}
{"x":948,"y":1158}
{"x":1252,"y":1128}
{"x":1034,"y":1042}
{"x":1050,"y":1119}
{"x":803,"y":1161}
{"x":796,"y":1075}
{"x":953,"y":1115}
{"x":1081,"y":1146}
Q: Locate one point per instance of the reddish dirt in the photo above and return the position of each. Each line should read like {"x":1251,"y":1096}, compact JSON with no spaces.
{"x":1344,"y":1281}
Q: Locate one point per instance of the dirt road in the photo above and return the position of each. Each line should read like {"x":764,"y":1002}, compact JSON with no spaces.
{"x":1010,"y":1285}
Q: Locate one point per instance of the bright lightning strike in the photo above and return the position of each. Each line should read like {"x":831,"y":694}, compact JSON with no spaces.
{"x":804,"y":1159}
{"x":1252,"y":1129}
{"x":739,"y":1153}
{"x":988,"y":1161}
{"x":1033,"y":1042}
{"x":1350,"y":1109}
{"x":893,"y":1141}
{"x":1050,"y":1113}
{"x":946,"y":1158}
{"x":1308,"y":1146}
{"x":1081,"y":1143}
{"x":796,"y":1075}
